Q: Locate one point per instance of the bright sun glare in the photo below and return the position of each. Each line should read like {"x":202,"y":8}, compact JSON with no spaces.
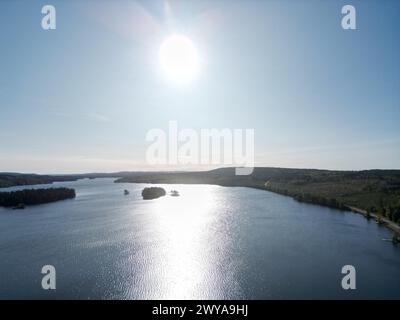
{"x":179,"y":59}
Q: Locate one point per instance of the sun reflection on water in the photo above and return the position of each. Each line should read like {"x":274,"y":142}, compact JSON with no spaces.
{"x":182,"y":226}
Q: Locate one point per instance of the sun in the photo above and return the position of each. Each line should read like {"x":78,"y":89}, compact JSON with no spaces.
{"x":179,"y":59}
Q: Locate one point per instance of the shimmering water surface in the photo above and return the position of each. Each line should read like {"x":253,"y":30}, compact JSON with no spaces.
{"x":211,"y":242}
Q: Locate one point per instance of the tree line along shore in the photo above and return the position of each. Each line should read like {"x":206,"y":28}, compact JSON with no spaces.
{"x":18,"y":199}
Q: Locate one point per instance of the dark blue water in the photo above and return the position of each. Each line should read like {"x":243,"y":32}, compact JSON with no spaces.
{"x":211,"y":242}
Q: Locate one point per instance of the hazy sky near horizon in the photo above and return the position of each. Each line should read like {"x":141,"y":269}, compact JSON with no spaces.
{"x":82,"y":97}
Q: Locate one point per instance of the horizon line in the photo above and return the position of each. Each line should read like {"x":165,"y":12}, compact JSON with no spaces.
{"x":190,"y":171}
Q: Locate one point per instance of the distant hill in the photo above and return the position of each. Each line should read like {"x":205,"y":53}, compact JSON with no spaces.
{"x":17,"y":179}
{"x":11,"y":179}
{"x":21,"y":179}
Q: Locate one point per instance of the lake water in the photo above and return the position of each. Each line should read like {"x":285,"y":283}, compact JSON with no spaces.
{"x":210,"y":243}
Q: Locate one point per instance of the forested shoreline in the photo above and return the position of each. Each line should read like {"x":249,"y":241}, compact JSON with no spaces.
{"x":375,"y":191}
{"x":34,"y":196}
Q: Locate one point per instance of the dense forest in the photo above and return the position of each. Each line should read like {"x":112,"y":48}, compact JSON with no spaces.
{"x":375,"y":191}
{"x":34,"y":196}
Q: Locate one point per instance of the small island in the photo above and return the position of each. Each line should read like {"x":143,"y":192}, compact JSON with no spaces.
{"x":174,"y":193}
{"x":153,"y":193}
{"x":19,"y":199}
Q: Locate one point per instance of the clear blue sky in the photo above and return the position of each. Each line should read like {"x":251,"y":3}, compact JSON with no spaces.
{"x":82,"y":97}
